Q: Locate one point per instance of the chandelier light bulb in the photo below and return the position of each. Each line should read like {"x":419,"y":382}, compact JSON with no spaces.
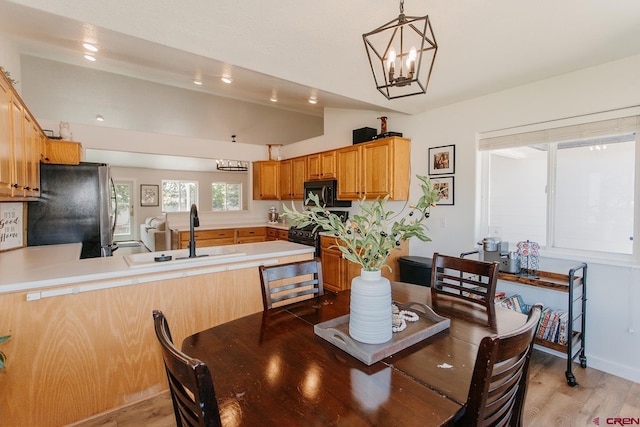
{"x":391,"y":63}
{"x":411,"y":61}
{"x":90,"y":58}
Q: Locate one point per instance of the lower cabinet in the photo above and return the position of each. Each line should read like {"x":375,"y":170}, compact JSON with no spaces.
{"x":337,"y":272}
{"x":277,"y":234}
{"x":219,"y":237}
{"x":251,"y":235}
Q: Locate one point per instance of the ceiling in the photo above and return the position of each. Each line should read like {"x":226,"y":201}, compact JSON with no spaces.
{"x":299,"y":48}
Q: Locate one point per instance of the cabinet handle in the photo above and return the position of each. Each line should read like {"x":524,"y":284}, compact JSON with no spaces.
{"x":27,"y":188}
{"x":15,"y":185}
{"x":36,"y":189}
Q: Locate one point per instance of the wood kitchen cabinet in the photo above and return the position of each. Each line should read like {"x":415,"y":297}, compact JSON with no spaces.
{"x":348,"y":161}
{"x":334,"y":267}
{"x":220,"y":237}
{"x":20,"y":146}
{"x":204,"y":238}
{"x":62,"y":152}
{"x":251,"y":235}
{"x":277,"y":234}
{"x":374,"y":169}
{"x":322,"y":165}
{"x":266,"y":180}
{"x":337,"y":272}
{"x":34,"y":146}
{"x":293,"y":173}
{"x":6,"y":140}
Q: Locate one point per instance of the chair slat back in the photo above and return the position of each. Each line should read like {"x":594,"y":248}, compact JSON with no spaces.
{"x":286,"y":283}
{"x":190,"y":383}
{"x":499,"y":383}
{"x":467,"y":279}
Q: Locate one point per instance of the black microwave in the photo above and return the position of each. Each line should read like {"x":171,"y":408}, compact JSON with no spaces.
{"x":326,"y":190}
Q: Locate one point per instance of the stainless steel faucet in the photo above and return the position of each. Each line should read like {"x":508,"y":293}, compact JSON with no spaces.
{"x":193,"y":222}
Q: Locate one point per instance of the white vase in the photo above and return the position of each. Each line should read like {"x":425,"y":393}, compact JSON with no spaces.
{"x":370,"y":309}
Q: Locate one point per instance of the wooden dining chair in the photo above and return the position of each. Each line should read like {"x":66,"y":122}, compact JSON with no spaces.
{"x":190,"y":383}
{"x":500,"y":376}
{"x":286,"y":283}
{"x":466,"y":279}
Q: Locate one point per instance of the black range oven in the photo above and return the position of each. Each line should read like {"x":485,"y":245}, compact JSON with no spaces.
{"x":307,"y":236}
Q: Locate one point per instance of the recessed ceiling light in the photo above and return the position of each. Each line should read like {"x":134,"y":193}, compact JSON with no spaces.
{"x":313,"y":100}
{"x":90,"y":47}
{"x":197,"y":82}
{"x":99,"y":118}
{"x":273,"y":98}
{"x":226,"y":79}
{"x":90,"y":57}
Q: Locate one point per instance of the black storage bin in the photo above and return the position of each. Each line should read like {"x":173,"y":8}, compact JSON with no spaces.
{"x":363,"y":135}
{"x":415,"y":269}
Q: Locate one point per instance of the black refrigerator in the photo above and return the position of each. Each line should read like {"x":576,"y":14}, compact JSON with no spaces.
{"x":75,"y":206}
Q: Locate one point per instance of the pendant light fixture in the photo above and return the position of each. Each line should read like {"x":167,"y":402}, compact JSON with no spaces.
{"x":401,"y":54}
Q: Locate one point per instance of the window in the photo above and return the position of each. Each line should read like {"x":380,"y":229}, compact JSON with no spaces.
{"x":226,"y":196}
{"x":178,"y":196}
{"x":570,"y":188}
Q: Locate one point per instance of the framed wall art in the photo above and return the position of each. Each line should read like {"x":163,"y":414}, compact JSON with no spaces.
{"x":149,"y":195}
{"x":445,"y":189}
{"x":442,"y":160}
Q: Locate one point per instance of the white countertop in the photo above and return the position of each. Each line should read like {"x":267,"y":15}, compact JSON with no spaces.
{"x":37,"y":267}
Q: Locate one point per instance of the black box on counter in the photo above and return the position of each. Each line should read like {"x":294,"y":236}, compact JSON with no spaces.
{"x":363,"y":135}
{"x":388,"y":135}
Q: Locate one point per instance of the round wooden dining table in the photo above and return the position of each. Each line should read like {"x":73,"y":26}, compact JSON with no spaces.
{"x":271,"y":369}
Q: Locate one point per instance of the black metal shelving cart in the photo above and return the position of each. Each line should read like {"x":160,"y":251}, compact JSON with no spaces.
{"x":575,"y":285}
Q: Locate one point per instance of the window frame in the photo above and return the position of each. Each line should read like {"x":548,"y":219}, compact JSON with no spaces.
{"x":180,"y":181}
{"x":483,"y":228}
{"x":226,"y":186}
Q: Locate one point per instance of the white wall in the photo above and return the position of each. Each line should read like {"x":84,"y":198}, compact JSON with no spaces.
{"x":613,"y":291}
{"x":10,"y":61}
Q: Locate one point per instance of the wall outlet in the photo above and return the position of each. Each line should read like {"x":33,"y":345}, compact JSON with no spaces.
{"x":443,"y":222}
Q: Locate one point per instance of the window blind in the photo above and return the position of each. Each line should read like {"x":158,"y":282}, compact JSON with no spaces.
{"x":589,"y":130}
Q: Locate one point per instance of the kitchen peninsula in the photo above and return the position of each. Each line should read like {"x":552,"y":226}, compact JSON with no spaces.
{"x":82,"y":339}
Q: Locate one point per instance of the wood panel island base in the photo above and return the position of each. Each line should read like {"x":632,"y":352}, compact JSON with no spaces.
{"x":85,"y":352}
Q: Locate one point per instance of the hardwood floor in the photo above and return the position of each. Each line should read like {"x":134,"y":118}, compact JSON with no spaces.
{"x":550,"y":401}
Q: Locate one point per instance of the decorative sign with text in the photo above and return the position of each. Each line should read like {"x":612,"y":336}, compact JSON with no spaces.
{"x":11,"y":225}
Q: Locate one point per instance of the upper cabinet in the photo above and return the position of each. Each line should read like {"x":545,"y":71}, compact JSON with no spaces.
{"x":322,"y":165}
{"x":21,"y":146}
{"x":266,"y":180}
{"x":62,"y":152}
{"x":293,"y":173}
{"x":6,"y":141}
{"x":374,"y":169}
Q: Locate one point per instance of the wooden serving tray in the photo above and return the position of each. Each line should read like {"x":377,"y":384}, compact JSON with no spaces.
{"x":336,"y":331}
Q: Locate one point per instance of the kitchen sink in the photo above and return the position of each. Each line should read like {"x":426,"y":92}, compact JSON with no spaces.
{"x":180,"y":256}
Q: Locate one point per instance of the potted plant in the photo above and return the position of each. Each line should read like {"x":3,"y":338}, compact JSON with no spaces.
{"x":3,"y":357}
{"x":367,"y":239}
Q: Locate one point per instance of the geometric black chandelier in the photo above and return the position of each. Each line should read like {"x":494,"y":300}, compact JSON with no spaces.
{"x":401,"y":54}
